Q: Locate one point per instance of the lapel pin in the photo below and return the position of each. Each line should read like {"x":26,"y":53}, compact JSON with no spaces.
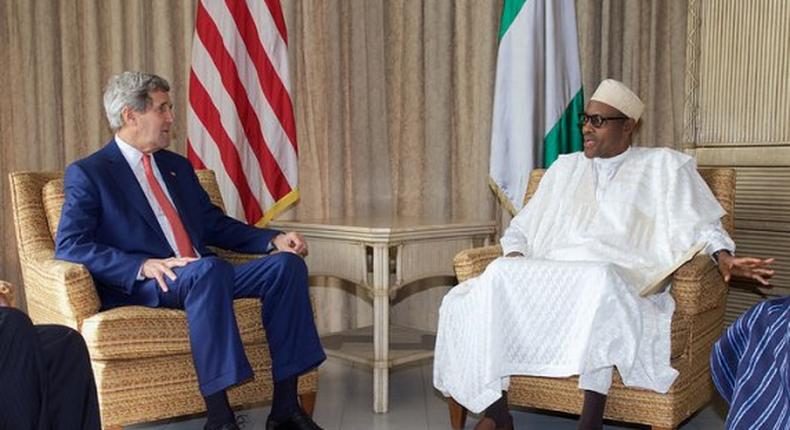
{"x":172,"y":173}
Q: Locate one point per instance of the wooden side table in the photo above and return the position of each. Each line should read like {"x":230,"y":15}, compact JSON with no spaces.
{"x":382,"y":255}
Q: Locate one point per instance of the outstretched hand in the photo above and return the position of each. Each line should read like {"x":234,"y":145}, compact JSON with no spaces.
{"x":757,"y":269}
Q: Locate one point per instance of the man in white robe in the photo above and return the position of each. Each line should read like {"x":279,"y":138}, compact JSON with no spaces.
{"x":565,"y":300}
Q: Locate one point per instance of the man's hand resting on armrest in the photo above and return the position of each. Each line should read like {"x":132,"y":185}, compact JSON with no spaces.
{"x":757,"y":269}
{"x":292,"y":242}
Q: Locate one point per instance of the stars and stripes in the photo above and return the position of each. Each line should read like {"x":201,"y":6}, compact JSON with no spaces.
{"x":240,"y":121}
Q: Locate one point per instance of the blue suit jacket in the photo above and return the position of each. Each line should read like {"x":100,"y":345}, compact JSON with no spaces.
{"x":107,"y":224}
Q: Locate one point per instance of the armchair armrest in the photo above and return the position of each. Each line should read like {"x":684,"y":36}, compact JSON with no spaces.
{"x":472,"y":262}
{"x":65,"y":292}
{"x":233,"y":257}
{"x":697,"y":286}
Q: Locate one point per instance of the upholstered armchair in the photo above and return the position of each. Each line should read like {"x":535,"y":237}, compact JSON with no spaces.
{"x":140,"y":356}
{"x":700,"y":295}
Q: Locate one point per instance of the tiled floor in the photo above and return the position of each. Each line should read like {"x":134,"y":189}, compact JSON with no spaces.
{"x":344,"y":402}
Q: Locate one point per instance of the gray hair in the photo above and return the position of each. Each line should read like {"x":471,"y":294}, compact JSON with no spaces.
{"x":130,"y":89}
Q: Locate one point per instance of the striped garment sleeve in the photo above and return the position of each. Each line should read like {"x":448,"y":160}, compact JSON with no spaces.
{"x":749,"y":367}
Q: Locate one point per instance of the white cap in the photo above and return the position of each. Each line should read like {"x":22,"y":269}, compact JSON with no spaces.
{"x":617,"y":95}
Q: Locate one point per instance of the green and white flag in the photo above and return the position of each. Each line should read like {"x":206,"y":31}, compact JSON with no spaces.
{"x":538,"y":94}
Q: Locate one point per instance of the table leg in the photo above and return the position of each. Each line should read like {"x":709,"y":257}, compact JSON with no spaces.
{"x":381,"y":322}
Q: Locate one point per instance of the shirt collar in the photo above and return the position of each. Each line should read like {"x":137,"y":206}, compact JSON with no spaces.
{"x":612,"y":162}
{"x":132,"y":155}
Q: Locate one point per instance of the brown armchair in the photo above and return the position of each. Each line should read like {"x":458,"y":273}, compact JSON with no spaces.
{"x":700,"y":294}
{"x":140,"y":356}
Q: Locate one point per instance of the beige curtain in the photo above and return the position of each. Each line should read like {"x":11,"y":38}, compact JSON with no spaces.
{"x":393,"y":103}
{"x":55,"y":58}
{"x":642,"y":43}
{"x":393,"y":100}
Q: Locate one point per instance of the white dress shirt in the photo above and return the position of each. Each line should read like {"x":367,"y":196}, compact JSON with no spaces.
{"x":134,"y":157}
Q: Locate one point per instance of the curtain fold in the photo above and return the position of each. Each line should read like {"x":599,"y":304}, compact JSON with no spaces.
{"x":642,"y":43}
{"x":393,"y":104}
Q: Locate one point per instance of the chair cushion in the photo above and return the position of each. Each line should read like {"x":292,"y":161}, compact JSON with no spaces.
{"x":136,"y":332}
{"x":53,"y":196}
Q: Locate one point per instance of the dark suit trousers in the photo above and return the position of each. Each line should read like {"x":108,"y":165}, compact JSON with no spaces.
{"x":46,"y":381}
{"x":205,"y":289}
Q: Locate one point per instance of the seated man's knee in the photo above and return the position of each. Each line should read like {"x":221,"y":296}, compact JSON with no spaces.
{"x":211,"y":268}
{"x":289,"y":263}
{"x":205,"y":276}
{"x":610,"y":271}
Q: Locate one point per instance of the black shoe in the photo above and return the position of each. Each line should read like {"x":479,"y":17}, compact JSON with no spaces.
{"x":238,"y":425}
{"x":298,"y":421}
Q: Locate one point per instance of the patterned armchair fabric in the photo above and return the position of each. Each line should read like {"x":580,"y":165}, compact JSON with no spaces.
{"x":140,"y":356}
{"x":700,"y":294}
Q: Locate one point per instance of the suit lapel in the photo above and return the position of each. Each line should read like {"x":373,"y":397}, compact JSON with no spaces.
{"x":127,"y":184}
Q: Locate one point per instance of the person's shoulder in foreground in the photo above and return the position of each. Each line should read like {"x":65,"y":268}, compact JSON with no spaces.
{"x":749,"y":367}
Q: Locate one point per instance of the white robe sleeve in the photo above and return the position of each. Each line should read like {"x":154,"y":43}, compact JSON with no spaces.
{"x":515,"y":238}
{"x":696,"y":210}
{"x":716,"y":239}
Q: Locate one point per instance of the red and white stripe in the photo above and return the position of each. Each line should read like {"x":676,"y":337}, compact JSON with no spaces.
{"x":240,"y":121}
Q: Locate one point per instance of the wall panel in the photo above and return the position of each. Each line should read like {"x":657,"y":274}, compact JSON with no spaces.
{"x":738,"y":114}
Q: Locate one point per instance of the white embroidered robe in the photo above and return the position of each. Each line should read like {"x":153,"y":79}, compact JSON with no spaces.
{"x":593,"y":235}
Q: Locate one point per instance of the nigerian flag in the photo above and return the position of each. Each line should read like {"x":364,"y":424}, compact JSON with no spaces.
{"x":538,"y":94}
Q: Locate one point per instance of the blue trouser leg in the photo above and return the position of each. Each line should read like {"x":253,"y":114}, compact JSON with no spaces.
{"x":280,"y":281}
{"x":204,"y":289}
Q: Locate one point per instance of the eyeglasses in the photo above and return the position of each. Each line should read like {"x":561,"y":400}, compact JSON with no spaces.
{"x":598,"y":121}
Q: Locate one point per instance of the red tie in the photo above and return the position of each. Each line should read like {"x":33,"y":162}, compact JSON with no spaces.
{"x":183,"y":242}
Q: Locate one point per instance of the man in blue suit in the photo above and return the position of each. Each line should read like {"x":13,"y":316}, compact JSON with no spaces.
{"x":136,"y":216}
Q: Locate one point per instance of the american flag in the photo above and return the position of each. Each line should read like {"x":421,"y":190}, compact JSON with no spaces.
{"x":240,"y":121}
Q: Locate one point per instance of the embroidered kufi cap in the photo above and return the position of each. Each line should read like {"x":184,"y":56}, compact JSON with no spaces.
{"x":617,"y":95}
